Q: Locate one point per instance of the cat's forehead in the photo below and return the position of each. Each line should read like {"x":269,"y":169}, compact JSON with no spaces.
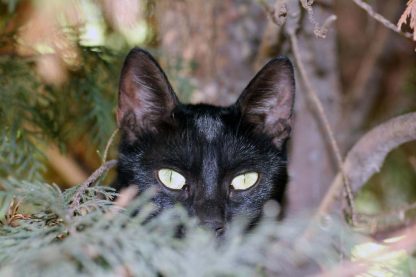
{"x":207,"y":120}
{"x":208,"y":126}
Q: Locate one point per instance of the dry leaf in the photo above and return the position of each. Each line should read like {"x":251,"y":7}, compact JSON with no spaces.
{"x":409,"y":12}
{"x":12,"y":216}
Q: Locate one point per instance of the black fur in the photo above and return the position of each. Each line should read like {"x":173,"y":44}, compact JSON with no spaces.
{"x":208,"y":145}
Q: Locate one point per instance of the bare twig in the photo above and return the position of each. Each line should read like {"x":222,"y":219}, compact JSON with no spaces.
{"x":355,"y":99}
{"x":105,"y":166}
{"x":370,"y":57}
{"x":378,"y":17}
{"x":109,"y":143}
{"x":319,"y":31}
{"x":278,"y":13}
{"x":12,"y":215}
{"x":271,"y":36}
{"x":312,"y":96}
{"x":90,"y":180}
{"x":380,"y":223}
{"x":323,"y":30}
{"x":323,"y":118}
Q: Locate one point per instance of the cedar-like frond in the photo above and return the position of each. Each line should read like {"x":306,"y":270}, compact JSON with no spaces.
{"x":409,"y":13}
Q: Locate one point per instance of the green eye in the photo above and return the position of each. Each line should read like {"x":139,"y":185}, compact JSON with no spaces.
{"x":245,"y":181}
{"x":171,"y":178}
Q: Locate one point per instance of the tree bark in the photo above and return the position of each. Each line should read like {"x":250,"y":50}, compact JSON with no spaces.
{"x":311,"y":164}
{"x":219,"y":37}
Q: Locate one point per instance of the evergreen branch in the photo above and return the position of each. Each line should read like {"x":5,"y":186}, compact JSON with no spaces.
{"x":33,"y":113}
{"x":90,"y":181}
{"x":104,"y":238}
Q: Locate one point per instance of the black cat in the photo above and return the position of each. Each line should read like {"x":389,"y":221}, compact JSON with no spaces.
{"x":218,"y":162}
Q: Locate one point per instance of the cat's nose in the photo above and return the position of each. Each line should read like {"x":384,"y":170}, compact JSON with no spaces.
{"x":216,"y":226}
{"x":219,"y":231}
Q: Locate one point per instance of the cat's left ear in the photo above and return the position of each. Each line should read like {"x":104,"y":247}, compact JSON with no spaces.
{"x":146,"y":98}
{"x":267,"y":101}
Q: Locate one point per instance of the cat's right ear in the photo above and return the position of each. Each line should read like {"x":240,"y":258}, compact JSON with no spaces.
{"x":267,"y":101}
{"x":146,"y":98}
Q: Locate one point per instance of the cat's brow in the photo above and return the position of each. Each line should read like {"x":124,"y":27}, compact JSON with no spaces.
{"x":208,"y":126}
{"x":210,"y":171}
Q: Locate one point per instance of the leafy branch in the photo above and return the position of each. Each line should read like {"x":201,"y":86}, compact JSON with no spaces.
{"x":102,"y":238}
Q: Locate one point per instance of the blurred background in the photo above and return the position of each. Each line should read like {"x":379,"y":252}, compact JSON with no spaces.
{"x":60,"y":64}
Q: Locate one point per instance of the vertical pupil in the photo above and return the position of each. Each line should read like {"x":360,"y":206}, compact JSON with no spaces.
{"x":170,"y":176}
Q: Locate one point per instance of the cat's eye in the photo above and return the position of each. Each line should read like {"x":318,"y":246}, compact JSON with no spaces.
{"x":171,"y":179}
{"x":245,"y":181}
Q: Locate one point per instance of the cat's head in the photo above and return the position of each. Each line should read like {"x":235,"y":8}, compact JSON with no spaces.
{"x":218,"y":162}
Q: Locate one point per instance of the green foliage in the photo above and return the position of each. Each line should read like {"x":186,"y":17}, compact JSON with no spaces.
{"x":11,"y":4}
{"x":98,"y":239}
{"x":20,"y":104}
{"x":34,"y":114}
{"x":90,"y":96}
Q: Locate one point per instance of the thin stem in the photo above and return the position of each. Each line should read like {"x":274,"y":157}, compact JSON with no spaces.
{"x":109,"y":143}
{"x":378,"y":17}
{"x":311,"y":94}
{"x":90,"y":181}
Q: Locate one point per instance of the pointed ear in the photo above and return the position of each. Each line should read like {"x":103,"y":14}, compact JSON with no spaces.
{"x":145,"y":99}
{"x":267,"y":101}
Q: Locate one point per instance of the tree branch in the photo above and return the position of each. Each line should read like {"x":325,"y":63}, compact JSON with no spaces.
{"x":366,"y":157}
{"x":311,"y":94}
{"x":90,"y":180}
{"x":380,"y":224}
{"x":368,"y":154}
{"x":406,"y":243}
{"x":378,"y":17}
{"x":319,"y":31}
